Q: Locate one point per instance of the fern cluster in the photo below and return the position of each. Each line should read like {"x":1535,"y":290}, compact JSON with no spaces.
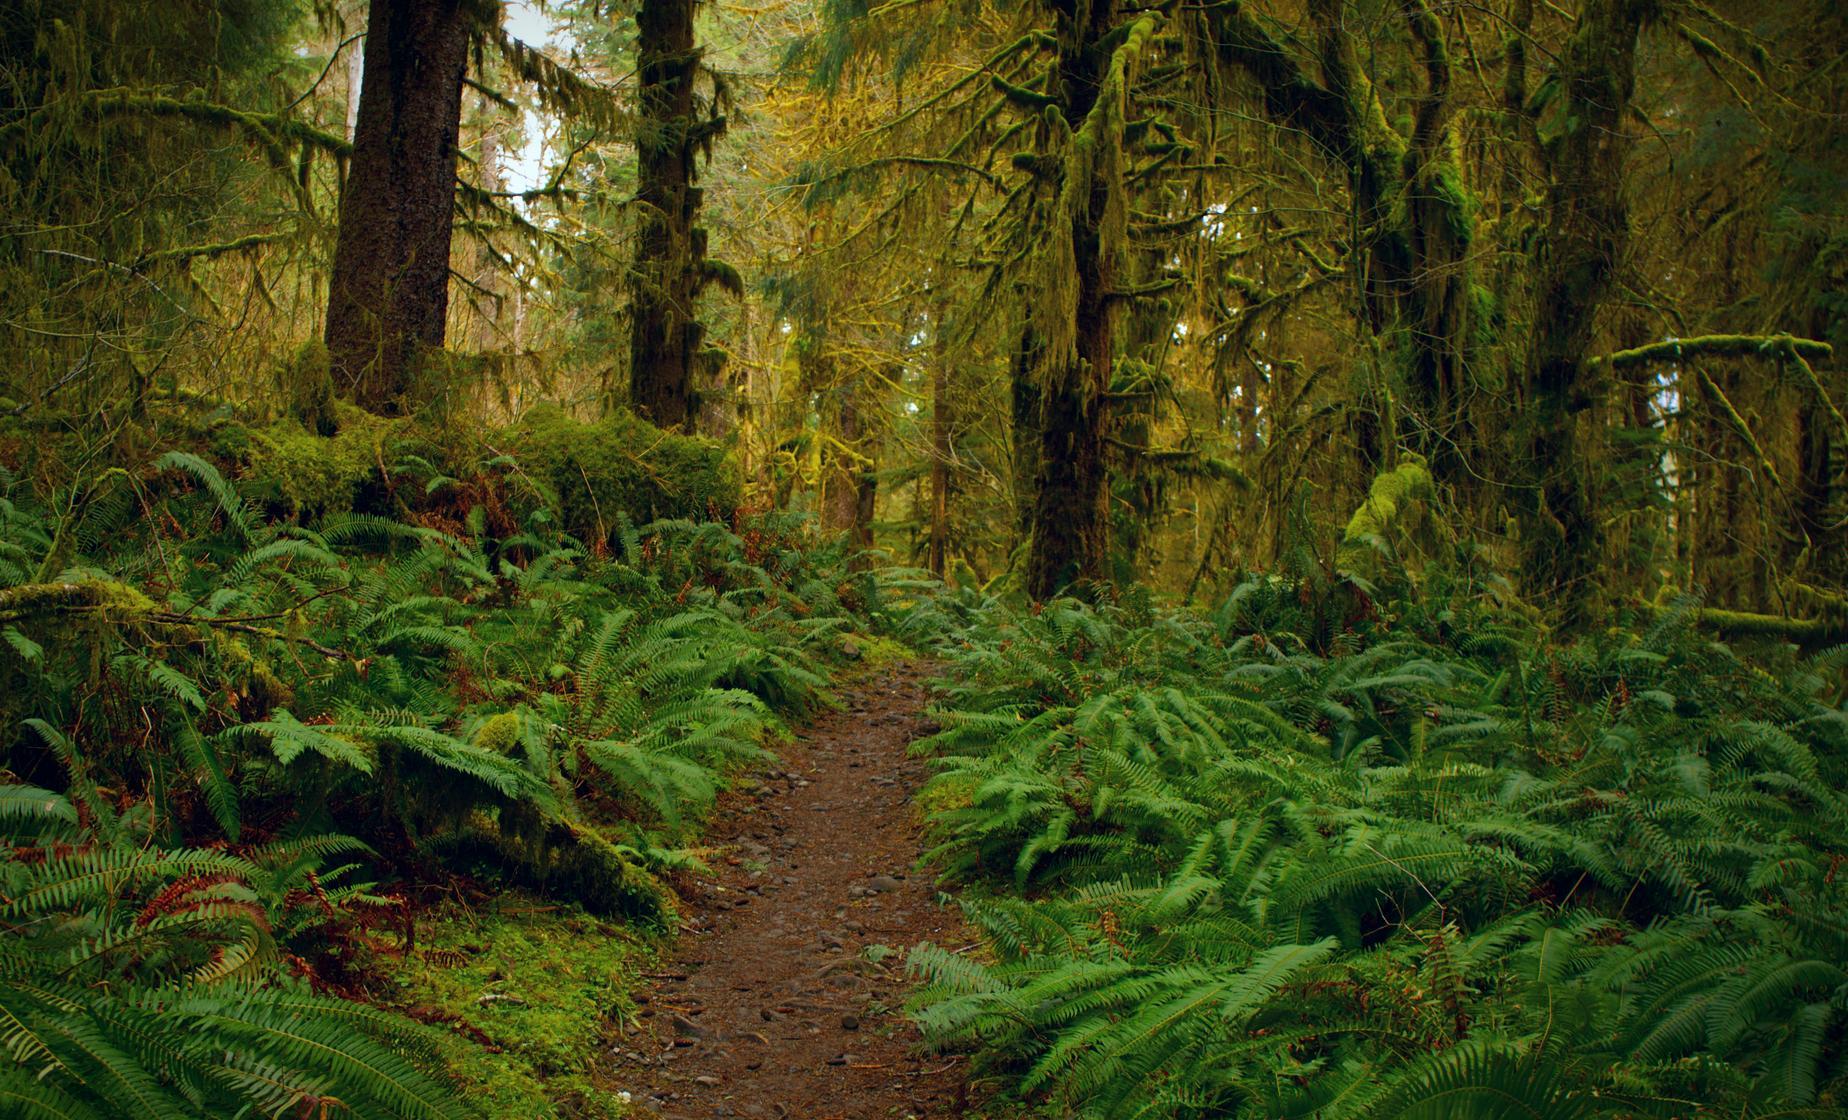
{"x":138,"y":980}
{"x":434,"y":694}
{"x":1430,"y":867}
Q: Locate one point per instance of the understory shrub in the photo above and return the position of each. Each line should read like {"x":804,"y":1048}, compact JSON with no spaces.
{"x":209,"y":701}
{"x":1429,"y":866}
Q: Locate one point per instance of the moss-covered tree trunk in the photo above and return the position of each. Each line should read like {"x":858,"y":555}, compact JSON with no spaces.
{"x":1413,"y":216}
{"x":1071,"y":524}
{"x":1070,"y":515}
{"x":840,"y":484}
{"x":1024,"y":428}
{"x":1138,"y":485}
{"x":865,"y":491}
{"x":849,"y":484}
{"x":1574,"y":262}
{"x":664,"y":340}
{"x":940,"y":449}
{"x":1440,"y":230}
{"x":388,"y":296}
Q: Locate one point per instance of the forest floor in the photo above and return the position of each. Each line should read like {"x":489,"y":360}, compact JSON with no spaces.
{"x":784,"y":996}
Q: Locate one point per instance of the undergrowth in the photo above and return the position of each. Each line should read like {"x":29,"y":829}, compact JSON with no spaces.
{"x":241,"y":745}
{"x":1336,"y":853}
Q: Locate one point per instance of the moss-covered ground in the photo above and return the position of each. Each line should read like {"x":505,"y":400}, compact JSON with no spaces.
{"x":529,"y":995}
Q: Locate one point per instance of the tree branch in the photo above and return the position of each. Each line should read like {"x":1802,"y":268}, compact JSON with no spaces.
{"x":1716,"y":345}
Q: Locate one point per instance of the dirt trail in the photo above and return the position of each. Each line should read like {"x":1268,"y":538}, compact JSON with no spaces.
{"x":777,"y":1003}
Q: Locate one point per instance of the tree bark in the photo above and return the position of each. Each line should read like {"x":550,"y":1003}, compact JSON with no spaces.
{"x":1587,"y":229}
{"x":938,"y":556}
{"x":840,"y":489}
{"x":1071,"y":527}
{"x":1137,"y":485}
{"x":1024,"y":431}
{"x":865,"y":494}
{"x":388,"y":297}
{"x":664,"y":338}
{"x":850,"y":486}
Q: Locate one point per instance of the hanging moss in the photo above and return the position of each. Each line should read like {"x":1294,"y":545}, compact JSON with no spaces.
{"x":622,"y":465}
{"x":1388,"y":500}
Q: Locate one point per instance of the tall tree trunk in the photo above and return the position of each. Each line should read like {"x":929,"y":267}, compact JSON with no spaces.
{"x":388,"y":298}
{"x":664,"y":338}
{"x":1137,"y":484}
{"x":938,"y":556}
{"x":849,"y":483}
{"x":866,"y":493}
{"x":1071,"y":522}
{"x":1024,"y":430}
{"x":1070,"y":511}
{"x":1588,"y":226}
{"x":840,"y":490}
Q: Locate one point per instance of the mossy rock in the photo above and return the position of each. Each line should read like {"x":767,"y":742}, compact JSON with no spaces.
{"x":314,"y":474}
{"x":622,"y":464}
{"x":499,"y":733}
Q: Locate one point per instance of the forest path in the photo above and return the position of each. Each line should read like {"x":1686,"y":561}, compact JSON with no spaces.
{"x":775,"y":1004}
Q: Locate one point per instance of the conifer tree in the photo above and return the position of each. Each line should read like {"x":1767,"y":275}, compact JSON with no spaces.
{"x":1089,"y":82}
{"x":388,"y":295}
{"x":670,"y":270}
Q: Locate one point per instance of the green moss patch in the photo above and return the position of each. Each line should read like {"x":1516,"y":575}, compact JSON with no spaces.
{"x":622,"y":465}
{"x":314,"y":474}
{"x":877,"y":650}
{"x":528,"y":994}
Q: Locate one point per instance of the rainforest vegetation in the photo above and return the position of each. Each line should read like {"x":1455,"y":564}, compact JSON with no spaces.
{"x":1368,"y":478}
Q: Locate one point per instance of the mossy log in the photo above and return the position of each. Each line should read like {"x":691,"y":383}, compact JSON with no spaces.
{"x":1746,"y":624}
{"x":122,"y":605}
{"x":105,"y":598}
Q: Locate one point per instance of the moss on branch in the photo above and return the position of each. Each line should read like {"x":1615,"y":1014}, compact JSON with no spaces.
{"x":1746,"y":624}
{"x":1717,"y":346}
